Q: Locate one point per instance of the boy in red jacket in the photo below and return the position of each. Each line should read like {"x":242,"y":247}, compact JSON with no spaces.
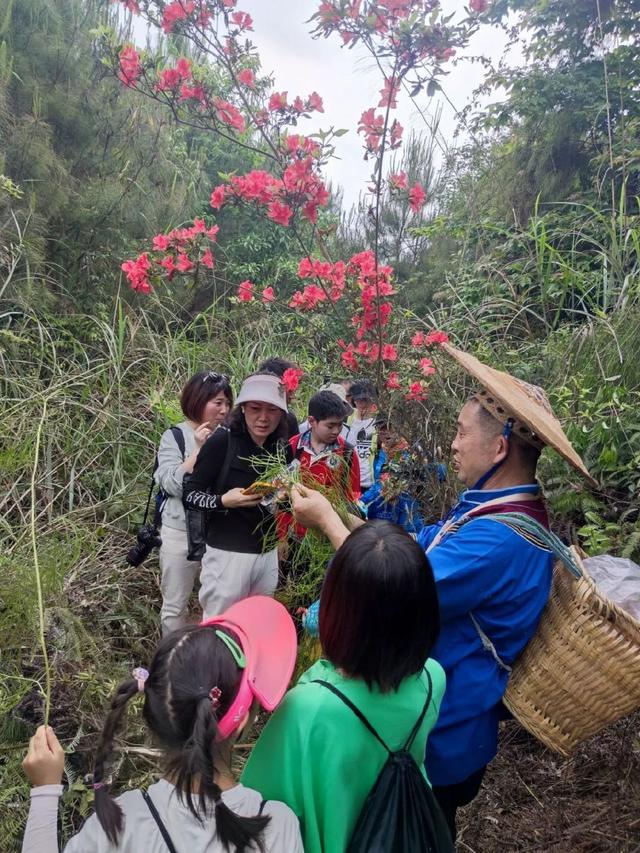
{"x":324,"y":457}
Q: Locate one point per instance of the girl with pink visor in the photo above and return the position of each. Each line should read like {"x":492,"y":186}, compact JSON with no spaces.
{"x":201,"y":694}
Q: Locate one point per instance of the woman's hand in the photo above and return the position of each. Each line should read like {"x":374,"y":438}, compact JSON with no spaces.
{"x":202,"y":433}
{"x":235,"y":498}
{"x":44,"y":761}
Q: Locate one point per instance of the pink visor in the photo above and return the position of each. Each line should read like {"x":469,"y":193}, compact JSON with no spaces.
{"x":268,"y":639}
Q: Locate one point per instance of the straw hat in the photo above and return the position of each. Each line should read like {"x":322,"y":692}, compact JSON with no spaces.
{"x":504,"y":396}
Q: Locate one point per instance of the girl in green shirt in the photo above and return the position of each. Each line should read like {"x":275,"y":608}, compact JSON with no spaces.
{"x":378,"y":622}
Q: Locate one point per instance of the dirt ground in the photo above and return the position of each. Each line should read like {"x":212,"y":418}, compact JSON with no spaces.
{"x":533,"y":800}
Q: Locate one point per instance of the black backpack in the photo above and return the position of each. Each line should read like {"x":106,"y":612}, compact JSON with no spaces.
{"x":401,"y":813}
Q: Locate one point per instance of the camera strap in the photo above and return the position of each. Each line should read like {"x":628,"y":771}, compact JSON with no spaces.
{"x":178,"y":435}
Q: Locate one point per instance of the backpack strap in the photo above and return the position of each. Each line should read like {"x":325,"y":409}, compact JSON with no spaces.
{"x":178,"y":436}
{"x":261,"y":809}
{"x":354,"y":708}
{"x":423,"y":713}
{"x":163,"y":829}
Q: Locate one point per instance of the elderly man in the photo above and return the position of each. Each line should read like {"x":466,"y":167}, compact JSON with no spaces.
{"x":493,"y":578}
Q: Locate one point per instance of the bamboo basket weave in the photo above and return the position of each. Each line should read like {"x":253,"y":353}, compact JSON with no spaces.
{"x":581,"y":670}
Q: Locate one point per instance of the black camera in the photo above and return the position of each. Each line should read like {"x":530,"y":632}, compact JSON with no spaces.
{"x":147,"y":539}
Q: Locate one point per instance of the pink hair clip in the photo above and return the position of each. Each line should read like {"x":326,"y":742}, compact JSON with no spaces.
{"x":140,"y":674}
{"x":214,"y":694}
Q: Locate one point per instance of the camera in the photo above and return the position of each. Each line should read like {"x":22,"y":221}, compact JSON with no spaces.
{"x":147,"y":539}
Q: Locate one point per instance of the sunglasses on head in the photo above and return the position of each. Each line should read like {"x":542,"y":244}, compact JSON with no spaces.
{"x":215,"y":377}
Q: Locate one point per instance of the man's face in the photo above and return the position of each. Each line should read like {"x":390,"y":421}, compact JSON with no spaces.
{"x":475,"y":449}
{"x":325,"y":431}
{"x":363,"y":405}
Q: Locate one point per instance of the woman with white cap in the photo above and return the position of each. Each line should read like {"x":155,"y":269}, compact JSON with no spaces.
{"x":234,"y":565}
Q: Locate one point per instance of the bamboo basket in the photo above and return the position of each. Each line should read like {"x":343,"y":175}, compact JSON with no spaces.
{"x":581,"y":670}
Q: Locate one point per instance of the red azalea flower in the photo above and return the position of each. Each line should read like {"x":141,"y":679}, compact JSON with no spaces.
{"x":314,"y":102}
{"x":185,"y":264}
{"x":217,"y":197}
{"x":436,"y":338}
{"x":277,"y":101}
{"x":426,"y":366}
{"x":130,"y":67}
{"x":245,"y":291}
{"x":229,"y":115}
{"x":393,"y":381}
{"x":389,"y":353}
{"x":207,"y":259}
{"x":247,"y":78}
{"x":291,"y":379}
{"x":280,"y":213}
{"x":161,"y":242}
{"x":479,"y":6}
{"x":176,"y":11}
{"x":399,"y":181}
{"x":268,"y":295}
{"x":242,"y":20}
{"x":417,"y":391}
{"x":417,"y":340}
{"x":417,"y":197}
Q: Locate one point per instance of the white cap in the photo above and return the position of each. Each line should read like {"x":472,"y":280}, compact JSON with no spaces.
{"x":339,"y":391}
{"x":263,"y":388}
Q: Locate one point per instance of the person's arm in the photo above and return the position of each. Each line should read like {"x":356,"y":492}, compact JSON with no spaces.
{"x":43,"y":766}
{"x":210,"y":460}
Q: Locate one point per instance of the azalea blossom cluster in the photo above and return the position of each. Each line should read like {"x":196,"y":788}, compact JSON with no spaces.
{"x":300,"y":189}
{"x":181,"y":251}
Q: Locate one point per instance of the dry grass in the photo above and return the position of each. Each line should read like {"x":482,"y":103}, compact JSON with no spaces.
{"x":533,"y":801}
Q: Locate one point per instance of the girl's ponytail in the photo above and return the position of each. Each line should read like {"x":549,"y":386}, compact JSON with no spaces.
{"x":107,"y":810}
{"x":235,"y":833}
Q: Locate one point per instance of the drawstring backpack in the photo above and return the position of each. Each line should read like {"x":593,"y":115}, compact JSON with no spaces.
{"x":401,"y":813}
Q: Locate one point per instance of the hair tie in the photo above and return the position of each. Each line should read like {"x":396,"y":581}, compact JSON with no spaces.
{"x":214,"y":695}
{"x":140,"y":674}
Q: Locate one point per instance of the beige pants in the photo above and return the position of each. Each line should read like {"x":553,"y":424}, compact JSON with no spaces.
{"x":178,"y":577}
{"x":228,"y":577}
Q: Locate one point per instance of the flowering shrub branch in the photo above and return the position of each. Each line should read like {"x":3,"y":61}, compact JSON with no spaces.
{"x":410,"y":40}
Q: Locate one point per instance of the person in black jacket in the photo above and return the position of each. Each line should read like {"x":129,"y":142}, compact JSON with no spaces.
{"x":235,"y":564}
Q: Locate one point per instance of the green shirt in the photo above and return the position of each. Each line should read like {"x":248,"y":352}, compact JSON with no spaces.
{"x":316,"y":756}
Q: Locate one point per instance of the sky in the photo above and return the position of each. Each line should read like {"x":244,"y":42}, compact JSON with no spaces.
{"x":349,"y":82}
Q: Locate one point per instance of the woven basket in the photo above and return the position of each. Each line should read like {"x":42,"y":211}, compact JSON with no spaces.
{"x":581,"y":670}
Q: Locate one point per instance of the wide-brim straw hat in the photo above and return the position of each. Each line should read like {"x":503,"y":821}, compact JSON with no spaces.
{"x":507,"y":397}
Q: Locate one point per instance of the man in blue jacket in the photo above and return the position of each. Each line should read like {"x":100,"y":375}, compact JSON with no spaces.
{"x":493,"y":579}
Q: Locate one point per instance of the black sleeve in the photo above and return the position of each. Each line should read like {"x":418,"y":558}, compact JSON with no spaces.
{"x":197,"y":491}
{"x":292,"y":424}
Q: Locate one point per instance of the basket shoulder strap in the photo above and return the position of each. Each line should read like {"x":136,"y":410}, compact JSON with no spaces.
{"x":538,"y":535}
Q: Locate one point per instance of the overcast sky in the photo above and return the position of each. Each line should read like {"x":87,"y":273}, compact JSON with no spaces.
{"x":349,"y":83}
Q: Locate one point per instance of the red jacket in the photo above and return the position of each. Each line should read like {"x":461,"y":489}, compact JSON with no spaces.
{"x":326,"y":470}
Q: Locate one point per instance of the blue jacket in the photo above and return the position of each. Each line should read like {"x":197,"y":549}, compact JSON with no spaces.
{"x":489,"y":570}
{"x":405,"y":509}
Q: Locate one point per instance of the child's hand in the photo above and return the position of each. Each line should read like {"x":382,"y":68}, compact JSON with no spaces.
{"x":44,"y":761}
